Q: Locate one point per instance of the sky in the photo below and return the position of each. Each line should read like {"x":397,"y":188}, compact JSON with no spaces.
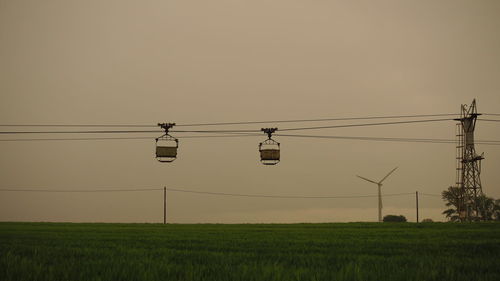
{"x":144,"y":62}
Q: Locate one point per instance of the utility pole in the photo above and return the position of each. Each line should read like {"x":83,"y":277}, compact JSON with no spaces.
{"x":164,"y":205}
{"x":416,"y":198}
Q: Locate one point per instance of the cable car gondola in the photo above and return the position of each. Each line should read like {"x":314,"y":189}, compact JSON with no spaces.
{"x":166,"y":145}
{"x":269,"y":149}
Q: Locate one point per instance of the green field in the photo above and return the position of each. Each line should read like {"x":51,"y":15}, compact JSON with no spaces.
{"x":339,"y":251}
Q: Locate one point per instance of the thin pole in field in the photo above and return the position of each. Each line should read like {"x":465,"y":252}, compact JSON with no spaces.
{"x":416,"y":198}
{"x":164,"y":205}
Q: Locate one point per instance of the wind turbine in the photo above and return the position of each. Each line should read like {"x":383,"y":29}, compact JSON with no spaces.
{"x":379,"y":184}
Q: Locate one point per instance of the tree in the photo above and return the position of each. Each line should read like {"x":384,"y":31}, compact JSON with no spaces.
{"x":394,"y":218}
{"x":496,"y":211}
{"x":452,"y":198}
{"x":488,"y":208}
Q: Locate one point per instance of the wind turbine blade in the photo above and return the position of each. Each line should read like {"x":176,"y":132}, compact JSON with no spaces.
{"x":387,"y":175}
{"x":366,"y":179}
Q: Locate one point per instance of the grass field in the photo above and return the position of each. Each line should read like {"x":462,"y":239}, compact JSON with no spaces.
{"x":343,"y":251}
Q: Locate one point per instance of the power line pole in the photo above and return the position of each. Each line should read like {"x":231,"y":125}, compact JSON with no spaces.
{"x":416,"y":198}
{"x":164,"y":205}
{"x":468,"y":164}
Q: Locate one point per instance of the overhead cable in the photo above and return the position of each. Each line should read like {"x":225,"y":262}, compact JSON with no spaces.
{"x":488,"y":120}
{"x":198,"y":192}
{"x":280,"y":196}
{"x":365,"y":124}
{"x":240,"y":123}
{"x":446,"y":141}
{"x":126,"y":138}
{"x":318,"y":127}
{"x":220,"y":131}
{"x":82,"y":125}
{"x":80,"y":132}
{"x":317,"y":120}
{"x":77,"y":139}
{"x":229,"y":123}
{"x":427,"y":194}
{"x":363,"y":138}
{"x":79,"y":190}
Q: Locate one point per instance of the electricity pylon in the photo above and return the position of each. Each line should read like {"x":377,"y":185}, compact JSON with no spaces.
{"x":379,"y":184}
{"x":468,"y":179}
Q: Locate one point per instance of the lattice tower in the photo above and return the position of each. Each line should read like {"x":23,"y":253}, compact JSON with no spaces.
{"x":468,"y":173}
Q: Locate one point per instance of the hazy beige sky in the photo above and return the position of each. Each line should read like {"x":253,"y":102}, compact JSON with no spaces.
{"x":143,"y":62}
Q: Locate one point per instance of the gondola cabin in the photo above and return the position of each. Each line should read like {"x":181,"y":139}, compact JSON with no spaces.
{"x":269,"y":149}
{"x":166,"y":148}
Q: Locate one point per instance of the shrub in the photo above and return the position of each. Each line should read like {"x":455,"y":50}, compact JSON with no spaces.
{"x":427,"y":220}
{"x":394,"y":218}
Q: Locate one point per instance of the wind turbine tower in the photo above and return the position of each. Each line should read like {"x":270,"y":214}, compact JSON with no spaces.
{"x":379,"y":184}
